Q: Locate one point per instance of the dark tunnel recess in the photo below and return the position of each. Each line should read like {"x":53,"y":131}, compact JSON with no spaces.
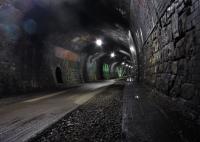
{"x":59,"y":77}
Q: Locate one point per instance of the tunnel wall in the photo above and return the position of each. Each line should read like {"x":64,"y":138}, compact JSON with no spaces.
{"x":41,"y":49}
{"x":24,"y":67}
{"x":91,"y":66}
{"x":59,"y":53}
{"x":167,"y":36}
{"x":27,"y":55}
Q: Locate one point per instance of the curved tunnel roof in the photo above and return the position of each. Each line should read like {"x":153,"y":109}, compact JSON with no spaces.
{"x":72,"y":23}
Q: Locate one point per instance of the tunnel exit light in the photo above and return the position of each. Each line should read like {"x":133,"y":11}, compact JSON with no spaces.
{"x":99,"y":42}
{"x":112,"y":55}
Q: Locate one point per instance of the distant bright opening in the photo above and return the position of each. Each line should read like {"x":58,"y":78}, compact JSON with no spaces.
{"x":112,"y":55}
{"x":99,"y":42}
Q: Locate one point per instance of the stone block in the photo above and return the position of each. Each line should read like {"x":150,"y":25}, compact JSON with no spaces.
{"x":170,"y":10}
{"x":188,"y":2}
{"x":164,"y":20}
{"x":164,"y":35}
{"x":156,"y":45}
{"x":196,"y":38}
{"x":182,"y":67}
{"x":181,"y":7}
{"x":174,"y":67}
{"x":175,"y":25}
{"x":189,"y":49}
{"x":187,"y":91}
{"x":180,"y":48}
{"x":196,"y":18}
{"x":182,"y":23}
{"x":195,"y":101}
{"x":169,"y":32}
{"x":169,"y":67}
{"x":176,"y":88}
{"x":170,"y":51}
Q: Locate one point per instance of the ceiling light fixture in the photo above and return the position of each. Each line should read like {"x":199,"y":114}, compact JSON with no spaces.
{"x":99,"y":42}
{"x":112,"y":55}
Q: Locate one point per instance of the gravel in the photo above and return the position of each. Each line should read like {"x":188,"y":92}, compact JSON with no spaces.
{"x":98,"y":120}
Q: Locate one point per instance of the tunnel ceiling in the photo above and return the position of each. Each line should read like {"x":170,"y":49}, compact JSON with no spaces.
{"x":78,"y":21}
{"x":71,"y":24}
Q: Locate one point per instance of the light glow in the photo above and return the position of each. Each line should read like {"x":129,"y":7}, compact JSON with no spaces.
{"x":132,"y":49}
{"x":137,"y":97}
{"x":99,"y":42}
{"x":112,"y":55}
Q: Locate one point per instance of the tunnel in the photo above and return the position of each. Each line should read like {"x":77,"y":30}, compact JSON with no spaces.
{"x":100,"y":70}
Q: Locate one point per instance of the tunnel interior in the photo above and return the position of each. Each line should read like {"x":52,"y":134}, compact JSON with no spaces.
{"x":44,"y":43}
{"x":39,"y":36}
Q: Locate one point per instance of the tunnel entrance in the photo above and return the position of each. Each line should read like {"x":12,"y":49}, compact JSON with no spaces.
{"x":59,"y":75}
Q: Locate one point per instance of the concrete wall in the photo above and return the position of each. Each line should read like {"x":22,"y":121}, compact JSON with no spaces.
{"x":169,"y":48}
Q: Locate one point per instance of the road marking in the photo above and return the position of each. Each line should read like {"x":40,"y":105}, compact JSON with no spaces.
{"x":44,"y":97}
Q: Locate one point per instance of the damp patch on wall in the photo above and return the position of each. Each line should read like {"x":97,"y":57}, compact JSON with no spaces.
{"x":91,"y":69}
{"x":106,"y":71}
{"x":120,"y":71}
{"x":70,"y":65}
{"x":66,"y":54}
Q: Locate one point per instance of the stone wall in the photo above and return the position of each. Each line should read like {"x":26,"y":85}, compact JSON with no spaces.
{"x":36,"y":39}
{"x":170,"y":52}
{"x":27,"y":58}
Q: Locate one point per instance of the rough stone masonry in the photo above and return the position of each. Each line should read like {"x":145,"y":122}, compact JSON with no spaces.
{"x":170,"y":53}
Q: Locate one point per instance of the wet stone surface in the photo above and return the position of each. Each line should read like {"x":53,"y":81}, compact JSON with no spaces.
{"x":98,"y":120}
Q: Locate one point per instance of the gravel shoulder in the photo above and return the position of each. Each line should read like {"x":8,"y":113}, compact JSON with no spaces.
{"x":98,"y":120}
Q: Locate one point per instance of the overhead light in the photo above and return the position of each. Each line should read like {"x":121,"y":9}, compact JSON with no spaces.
{"x":112,"y":55}
{"x":126,"y":65}
{"x":137,"y":97}
{"x":123,"y":63}
{"x":99,"y":42}
{"x":132,"y":49}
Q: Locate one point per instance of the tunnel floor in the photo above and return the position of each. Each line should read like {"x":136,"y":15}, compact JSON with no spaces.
{"x":109,"y":111}
{"x":98,"y":120}
{"x":152,"y":117}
